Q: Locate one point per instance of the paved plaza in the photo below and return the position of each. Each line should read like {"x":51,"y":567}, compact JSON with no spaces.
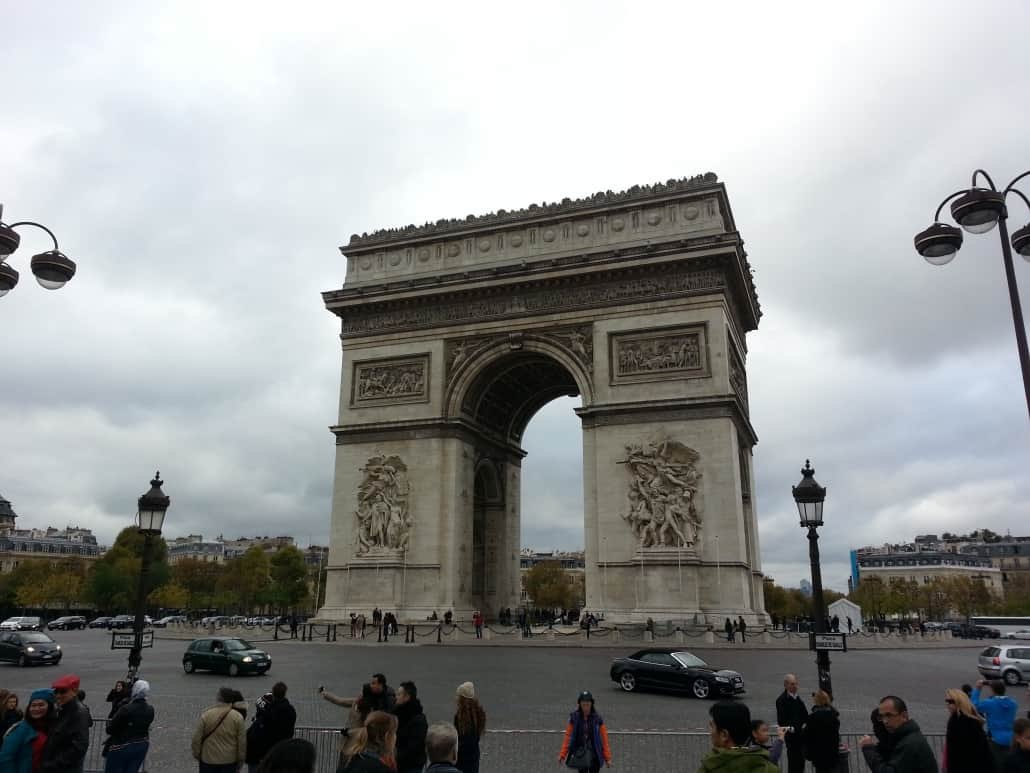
{"x":521,"y":687}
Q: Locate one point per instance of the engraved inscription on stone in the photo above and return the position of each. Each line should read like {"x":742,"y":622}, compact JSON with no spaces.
{"x":656,"y":355}
{"x":383,"y":519}
{"x":391,"y":381}
{"x":664,"y":482}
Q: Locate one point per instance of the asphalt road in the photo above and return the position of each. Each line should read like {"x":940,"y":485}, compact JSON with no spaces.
{"x":520,"y":687}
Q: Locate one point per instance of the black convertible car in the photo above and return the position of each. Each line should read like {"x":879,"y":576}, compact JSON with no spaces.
{"x":677,"y":670}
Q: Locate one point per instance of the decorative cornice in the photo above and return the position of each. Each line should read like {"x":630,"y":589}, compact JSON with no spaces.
{"x":665,"y":411}
{"x":504,"y":217}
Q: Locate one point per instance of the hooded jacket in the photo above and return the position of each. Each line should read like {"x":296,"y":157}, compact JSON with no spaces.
{"x":1000,"y":713}
{"x":739,"y":759}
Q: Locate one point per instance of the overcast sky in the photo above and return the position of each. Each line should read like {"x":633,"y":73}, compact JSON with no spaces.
{"x":202,"y":163}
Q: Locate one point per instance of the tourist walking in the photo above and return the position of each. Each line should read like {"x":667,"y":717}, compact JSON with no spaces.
{"x":412,"y":727}
{"x":68,"y":739}
{"x":728,"y":627}
{"x":294,"y":755}
{"x":732,"y":750}
{"x":470,"y":721}
{"x":761,"y":737}
{"x":742,"y":627}
{"x":585,"y":746}
{"x":966,"y":746}
{"x":442,"y":748}
{"x":1018,"y":760}
{"x":21,"y":750}
{"x":10,"y":714}
{"x":371,"y":749}
{"x":274,"y":721}
{"x":821,"y":736}
{"x":117,"y":694}
{"x":792,"y":714}
{"x":477,"y":622}
{"x":128,"y":732}
{"x":908,"y":751}
{"x":999,"y":710}
{"x":219,"y":743}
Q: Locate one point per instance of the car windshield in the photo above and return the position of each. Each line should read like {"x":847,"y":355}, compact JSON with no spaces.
{"x":35,"y":638}
{"x":689,"y":661}
{"x":238,"y":644}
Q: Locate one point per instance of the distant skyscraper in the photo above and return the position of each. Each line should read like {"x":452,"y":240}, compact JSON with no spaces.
{"x":806,"y":588}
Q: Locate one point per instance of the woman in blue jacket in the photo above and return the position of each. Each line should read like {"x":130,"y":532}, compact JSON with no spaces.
{"x":23,"y":744}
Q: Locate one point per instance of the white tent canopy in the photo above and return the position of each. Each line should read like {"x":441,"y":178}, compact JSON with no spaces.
{"x":845,"y":608}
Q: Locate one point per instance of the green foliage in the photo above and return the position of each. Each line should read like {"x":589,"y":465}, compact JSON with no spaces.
{"x":169,"y":596}
{"x":548,"y":585}
{"x":114,"y":581}
{"x":289,"y":574}
{"x":246,"y":580}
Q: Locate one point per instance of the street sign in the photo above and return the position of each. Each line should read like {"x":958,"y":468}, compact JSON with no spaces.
{"x":832,"y":642}
{"x":126,"y":641}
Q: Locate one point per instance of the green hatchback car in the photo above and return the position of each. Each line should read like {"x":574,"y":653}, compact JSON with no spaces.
{"x":226,"y":655}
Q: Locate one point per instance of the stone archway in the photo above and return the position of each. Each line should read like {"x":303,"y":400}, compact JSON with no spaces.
{"x":456,"y":333}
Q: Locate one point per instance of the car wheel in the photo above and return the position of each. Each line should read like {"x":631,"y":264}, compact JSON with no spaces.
{"x":1011,"y":678}
{"x":700,"y":688}
{"x":188,"y":667}
{"x":23,"y":661}
{"x":627,"y":681}
{"x":234,"y":670}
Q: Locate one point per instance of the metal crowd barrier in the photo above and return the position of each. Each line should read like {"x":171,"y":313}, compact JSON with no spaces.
{"x":516,"y":751}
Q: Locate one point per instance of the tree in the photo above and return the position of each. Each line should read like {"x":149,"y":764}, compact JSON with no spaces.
{"x":31,"y":592}
{"x":968,"y":595}
{"x":871,"y":596}
{"x":549,"y":586}
{"x":66,"y":583}
{"x":114,"y":579}
{"x":289,"y":573}
{"x":200,"y":579}
{"x":1017,"y":594}
{"x":246,"y":579}
{"x":169,"y":596}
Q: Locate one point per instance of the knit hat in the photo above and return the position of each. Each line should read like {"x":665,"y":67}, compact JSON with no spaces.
{"x":466,"y":690}
{"x":141,"y":689}
{"x":69,"y":682}
{"x":42,"y":694}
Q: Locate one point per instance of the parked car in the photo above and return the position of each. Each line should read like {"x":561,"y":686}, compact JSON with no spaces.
{"x":164,"y":622}
{"x":675,"y":670}
{"x":27,"y":648}
{"x":1005,"y":662}
{"x":100,"y":622}
{"x":226,"y":655}
{"x":21,"y":624}
{"x":69,"y":623}
{"x":122,"y":621}
{"x":1024,"y":634}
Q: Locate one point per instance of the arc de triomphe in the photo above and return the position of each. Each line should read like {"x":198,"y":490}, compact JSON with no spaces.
{"x":455,"y":333}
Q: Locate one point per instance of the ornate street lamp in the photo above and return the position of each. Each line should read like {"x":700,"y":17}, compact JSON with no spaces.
{"x":978,"y":210}
{"x":150,"y":517}
{"x":52,"y":269}
{"x":809,"y":497}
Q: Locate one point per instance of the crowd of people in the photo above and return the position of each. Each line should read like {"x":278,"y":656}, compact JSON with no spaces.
{"x":387,"y":731}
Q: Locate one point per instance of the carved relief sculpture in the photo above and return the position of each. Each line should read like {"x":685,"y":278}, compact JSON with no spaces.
{"x":395,"y":381}
{"x":669,"y":354}
{"x":578,"y":341}
{"x":383,"y":519}
{"x":664,"y":483}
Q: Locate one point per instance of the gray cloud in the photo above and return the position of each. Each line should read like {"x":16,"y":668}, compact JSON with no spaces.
{"x":201,"y":164}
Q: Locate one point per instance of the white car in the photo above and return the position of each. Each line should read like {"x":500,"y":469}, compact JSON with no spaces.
{"x":21,"y":624}
{"x":1024,"y":634}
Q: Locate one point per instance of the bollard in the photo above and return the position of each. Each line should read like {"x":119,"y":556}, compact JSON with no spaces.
{"x":275,"y":635}
{"x":379,"y":629}
{"x":386,"y":632}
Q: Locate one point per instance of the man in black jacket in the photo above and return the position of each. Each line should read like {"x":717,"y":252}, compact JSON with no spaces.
{"x":909,"y":751}
{"x":274,"y":721}
{"x":411,"y":730}
{"x":68,"y":739}
{"x":792,"y":714}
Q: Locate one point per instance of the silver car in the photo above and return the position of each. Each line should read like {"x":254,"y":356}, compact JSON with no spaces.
{"x":1005,"y":662}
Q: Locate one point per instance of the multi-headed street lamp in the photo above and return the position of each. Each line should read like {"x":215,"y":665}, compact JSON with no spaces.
{"x":53,"y":269}
{"x":978,"y":210}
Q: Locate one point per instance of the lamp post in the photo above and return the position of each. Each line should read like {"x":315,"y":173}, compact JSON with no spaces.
{"x":53,"y":269}
{"x":809,"y":497}
{"x":150,"y":518}
{"x":978,"y":210}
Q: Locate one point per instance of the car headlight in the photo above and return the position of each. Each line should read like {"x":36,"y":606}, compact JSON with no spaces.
{"x":30,"y":649}
{"x":58,"y":646}
{"x":248,"y":659}
{"x":721,"y":679}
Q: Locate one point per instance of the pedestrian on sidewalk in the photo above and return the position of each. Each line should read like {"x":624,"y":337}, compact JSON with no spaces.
{"x":477,"y":621}
{"x":372,"y":748}
{"x":822,"y":734}
{"x":10,"y":714}
{"x":68,"y":739}
{"x":412,"y":727}
{"x":470,"y":721}
{"x":585,"y":746}
{"x":128,"y":732}
{"x":219,"y":742}
{"x":792,"y":714}
{"x":274,"y":720}
{"x":908,"y":752}
{"x":729,"y":627}
{"x":732,"y":750}
{"x":742,"y":627}
{"x":762,"y":737}
{"x":21,"y":749}
{"x":116,"y":696}
{"x":966,"y":746}
{"x":1018,"y":761}
{"x":294,"y":755}
{"x":442,"y":748}
{"x":999,"y":710}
